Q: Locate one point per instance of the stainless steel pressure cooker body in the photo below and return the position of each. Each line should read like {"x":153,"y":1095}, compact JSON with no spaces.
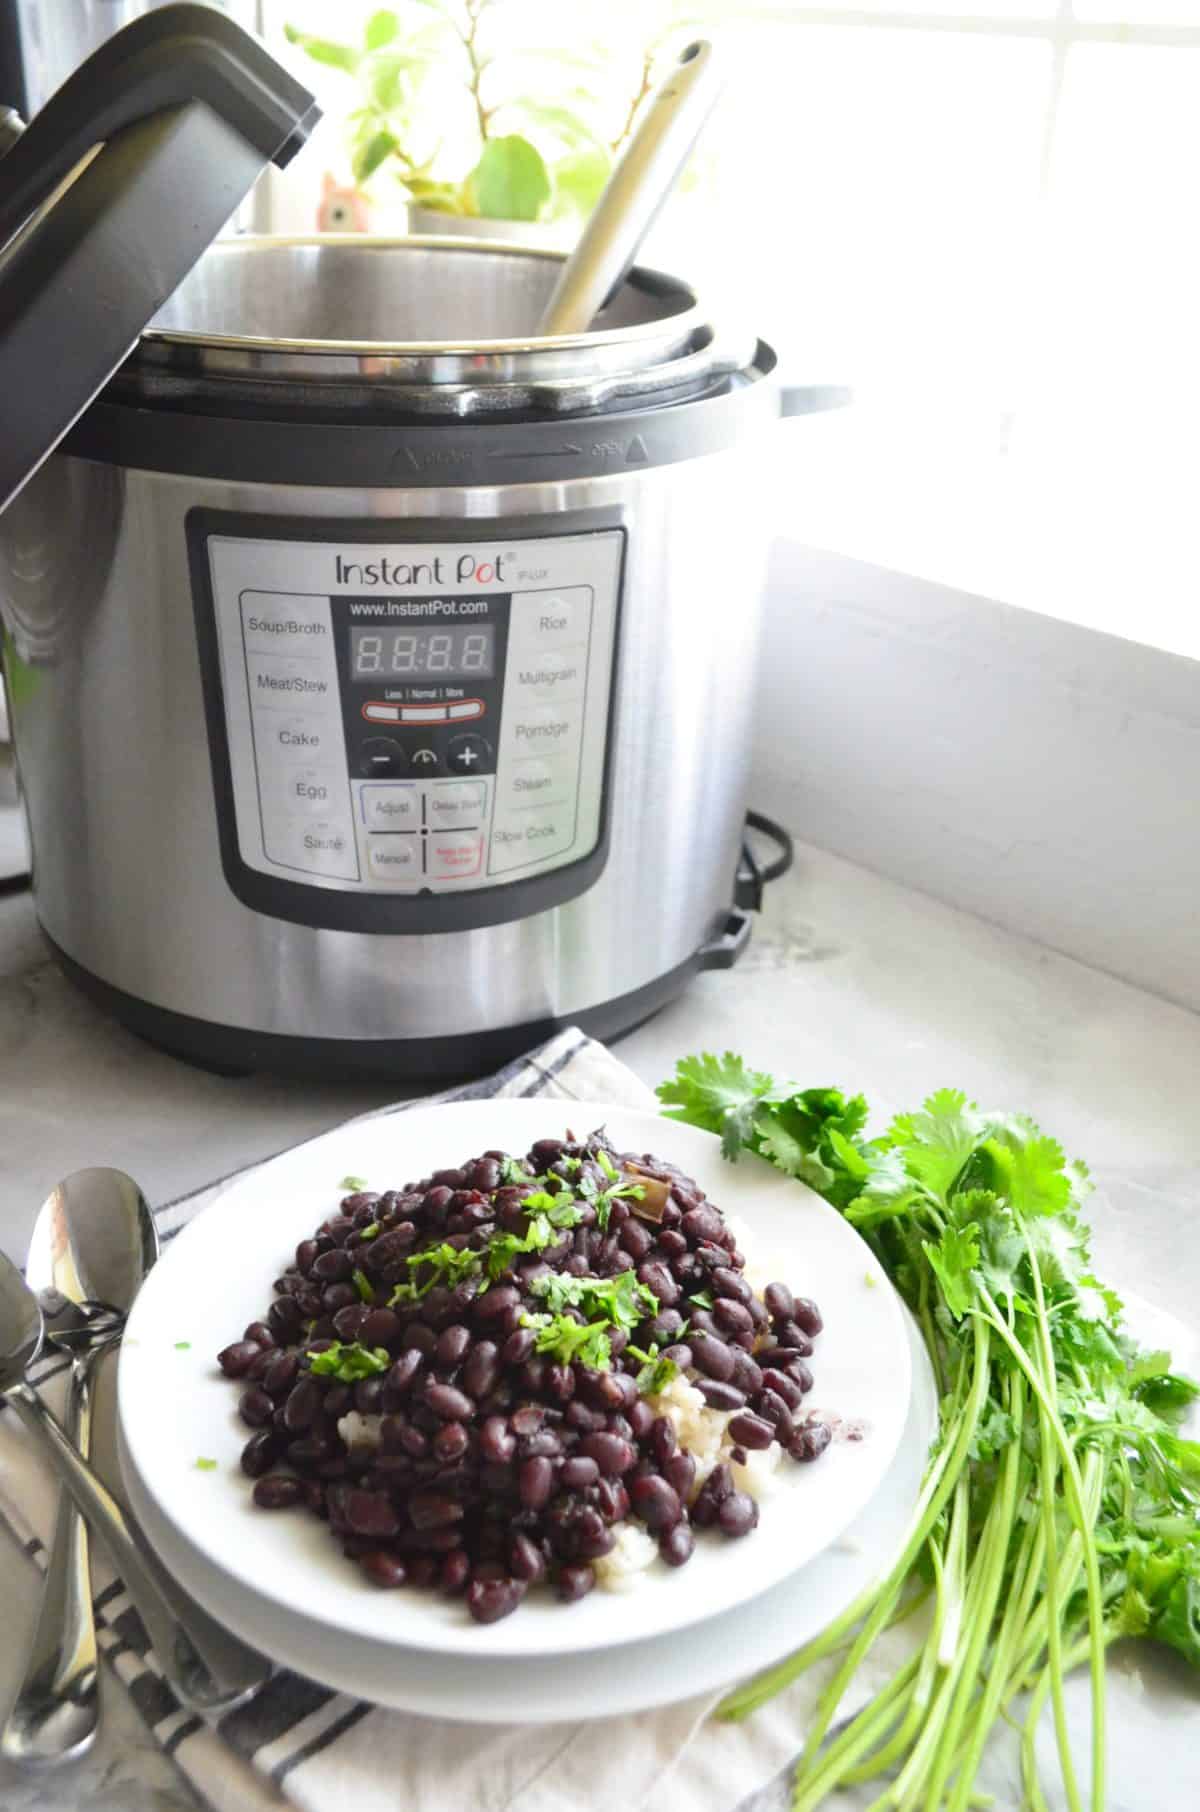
{"x":383,"y":675}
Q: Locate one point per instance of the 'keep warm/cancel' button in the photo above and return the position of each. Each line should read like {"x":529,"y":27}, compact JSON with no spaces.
{"x":522,"y":838}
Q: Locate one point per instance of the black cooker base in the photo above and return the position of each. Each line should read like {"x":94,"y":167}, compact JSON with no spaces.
{"x":234,"y":1051}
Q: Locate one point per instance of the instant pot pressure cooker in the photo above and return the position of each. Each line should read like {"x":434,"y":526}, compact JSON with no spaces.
{"x":382,"y":675}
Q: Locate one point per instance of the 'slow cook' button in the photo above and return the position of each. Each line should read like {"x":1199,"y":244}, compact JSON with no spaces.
{"x":453,"y":856}
{"x":523,"y":838}
{"x":394,"y":858}
{"x":391,"y":808}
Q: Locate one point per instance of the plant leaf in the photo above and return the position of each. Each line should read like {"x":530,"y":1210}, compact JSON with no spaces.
{"x":510,"y":181}
{"x":369,"y":155}
{"x":381,"y":29}
{"x":325,"y":50}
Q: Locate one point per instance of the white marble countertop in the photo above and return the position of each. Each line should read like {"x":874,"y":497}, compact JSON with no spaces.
{"x":850,"y":979}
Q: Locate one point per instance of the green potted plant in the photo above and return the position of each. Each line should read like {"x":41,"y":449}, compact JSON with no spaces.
{"x":446,"y":102}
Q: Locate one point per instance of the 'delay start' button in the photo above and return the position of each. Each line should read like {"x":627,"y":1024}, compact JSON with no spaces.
{"x":450,"y":804}
{"x":520,"y":839}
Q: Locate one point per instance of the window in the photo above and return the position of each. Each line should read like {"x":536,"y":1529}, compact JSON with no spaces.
{"x":980,"y":215}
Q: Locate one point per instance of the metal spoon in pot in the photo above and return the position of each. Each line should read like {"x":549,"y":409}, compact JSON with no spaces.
{"x":648,"y":169}
{"x":207,"y":1667}
{"x":92,"y":1244}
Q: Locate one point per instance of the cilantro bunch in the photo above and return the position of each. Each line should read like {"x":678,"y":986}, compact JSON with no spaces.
{"x":1060,"y":1508}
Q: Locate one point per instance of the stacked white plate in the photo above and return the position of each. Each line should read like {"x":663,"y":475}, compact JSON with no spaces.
{"x":826,"y":1530}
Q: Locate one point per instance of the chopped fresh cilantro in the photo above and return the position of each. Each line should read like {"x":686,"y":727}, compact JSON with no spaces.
{"x":561,"y":1338}
{"x":183,"y":1346}
{"x":205,"y":1465}
{"x":349,"y":1362}
{"x":362,"y":1283}
{"x":607,"y":1166}
{"x":371,"y":1232}
{"x":570,"y":1165}
{"x":513,"y":1171}
{"x":353,"y":1184}
{"x":703,"y":1299}
{"x":621,"y":1300}
{"x":655,"y":1372}
{"x":446,"y":1265}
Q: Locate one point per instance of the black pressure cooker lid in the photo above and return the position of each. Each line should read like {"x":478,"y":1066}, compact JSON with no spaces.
{"x":112,"y":194}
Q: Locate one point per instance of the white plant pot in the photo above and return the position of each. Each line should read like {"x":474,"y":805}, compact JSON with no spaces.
{"x":557,"y":235}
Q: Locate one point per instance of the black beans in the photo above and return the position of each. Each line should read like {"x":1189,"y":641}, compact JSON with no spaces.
{"x":482,"y":1367}
{"x":452,"y":1346}
{"x":535,"y":1479}
{"x":526,"y":1561}
{"x":259,"y":1453}
{"x":498,"y":1466}
{"x":496,"y":1302}
{"x":612,"y":1454}
{"x":807,"y":1316}
{"x":370,"y":1513}
{"x":518,"y":1346}
{"x":721,"y":1396}
{"x":657,"y":1278}
{"x":382,"y":1568}
{"x":575,"y":1582}
{"x":779,"y":1301}
{"x":280,"y":1375}
{"x":496,"y":1441}
{"x":712,"y":1357}
{"x":732,"y":1317}
{"x":304,"y":1401}
{"x":236,"y":1360}
{"x":380,"y":1327}
{"x":656,"y":1502}
{"x":752,"y":1431}
{"x":810,"y":1442}
{"x":399,"y":1379}
{"x":450,"y":1442}
{"x":680,"y":1473}
{"x":255,"y":1408}
{"x":731,"y":1283}
{"x":490,"y":1599}
{"x":677,"y":1544}
{"x":278,"y":1491}
{"x":737,"y":1514}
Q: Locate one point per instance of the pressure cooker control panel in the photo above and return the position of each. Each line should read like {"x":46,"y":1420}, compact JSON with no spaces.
{"x":412,"y":718}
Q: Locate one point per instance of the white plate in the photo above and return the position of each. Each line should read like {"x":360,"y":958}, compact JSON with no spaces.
{"x":597,"y":1683}
{"x":174,"y":1406}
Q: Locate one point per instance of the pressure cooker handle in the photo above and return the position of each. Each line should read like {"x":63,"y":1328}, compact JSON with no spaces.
{"x":165,"y":59}
{"x":163,"y":132}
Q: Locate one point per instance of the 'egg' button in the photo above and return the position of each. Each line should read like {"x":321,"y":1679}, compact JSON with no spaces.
{"x":396,"y":858}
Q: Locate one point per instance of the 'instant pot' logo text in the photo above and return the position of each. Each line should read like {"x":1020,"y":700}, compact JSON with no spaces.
{"x":465,"y":569}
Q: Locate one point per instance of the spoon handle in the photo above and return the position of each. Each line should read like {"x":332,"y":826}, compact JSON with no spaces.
{"x":56,"y":1709}
{"x":207,"y":1667}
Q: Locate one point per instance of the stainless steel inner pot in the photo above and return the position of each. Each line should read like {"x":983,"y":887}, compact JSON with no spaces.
{"x":424,"y":325}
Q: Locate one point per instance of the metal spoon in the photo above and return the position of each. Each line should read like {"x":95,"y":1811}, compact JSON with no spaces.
{"x":648,"y":169}
{"x":92,"y":1244}
{"x":207,"y":1667}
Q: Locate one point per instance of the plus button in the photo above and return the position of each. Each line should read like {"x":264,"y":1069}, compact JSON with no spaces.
{"x":466,"y":753}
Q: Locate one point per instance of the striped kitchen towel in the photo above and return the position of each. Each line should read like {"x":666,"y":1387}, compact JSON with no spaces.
{"x":301,"y":1744}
